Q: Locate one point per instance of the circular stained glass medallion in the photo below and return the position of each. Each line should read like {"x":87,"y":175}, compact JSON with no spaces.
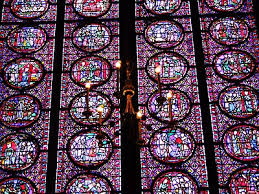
{"x":240,"y":102}
{"x":229,"y":5}
{"x":78,"y":108}
{"x":180,"y":104}
{"x":174,"y":182}
{"x":89,"y":183}
{"x":229,"y":31}
{"x":87,"y":150}
{"x":18,"y":151}
{"x":92,"y":37}
{"x":171,"y":145}
{"x":19,"y":111}
{"x":164,"y":34}
{"x":29,"y":9}
{"x":91,"y":68}
{"x":245,"y":181}
{"x":234,"y":65}
{"x":23,"y":73}
{"x":91,"y":8}
{"x":27,"y":39}
{"x":241,"y":142}
{"x":17,"y":185}
{"x":173,"y":67}
{"x":161,"y":6}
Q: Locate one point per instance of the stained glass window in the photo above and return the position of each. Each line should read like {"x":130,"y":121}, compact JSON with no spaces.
{"x":26,"y":64}
{"x":230,"y":45}
{"x":193,"y":65}
{"x":173,"y":155}
{"x":88,"y":155}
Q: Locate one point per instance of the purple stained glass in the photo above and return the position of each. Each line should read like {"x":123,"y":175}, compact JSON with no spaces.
{"x":18,"y":151}
{"x":91,"y":8}
{"x":29,"y":9}
{"x":164,"y":34}
{"x":89,"y":183}
{"x":245,"y":181}
{"x":229,"y":31}
{"x":95,"y":69}
{"x":19,"y":110}
{"x":162,"y":6}
{"x":174,"y":182}
{"x":87,"y":150}
{"x":224,"y":5}
{"x":171,"y":145}
{"x":23,"y":73}
{"x":240,"y":102}
{"x":180,"y":105}
{"x":17,"y":185}
{"x":92,"y":37}
{"x":173,"y":67}
{"x":27,"y":39}
{"x":241,"y":142}
{"x":234,"y":65}
{"x":78,"y":108}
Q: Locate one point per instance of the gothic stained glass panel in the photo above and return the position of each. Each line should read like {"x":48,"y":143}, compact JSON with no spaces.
{"x":162,"y":7}
{"x":36,"y":10}
{"x":174,"y":67}
{"x":26,"y":65}
{"x":174,"y":182}
{"x":17,"y":185}
{"x":29,"y":9}
{"x":232,"y":80}
{"x":92,"y":37}
{"x":23,"y":73}
{"x":18,"y":151}
{"x":91,"y":8}
{"x":171,"y":145}
{"x":92,"y":69}
{"x":87,"y":150}
{"x":90,"y":52}
{"x":173,"y":155}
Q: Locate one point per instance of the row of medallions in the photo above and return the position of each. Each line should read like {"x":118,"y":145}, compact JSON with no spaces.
{"x":86,"y":149}
{"x":169,"y":145}
{"x":160,"y":7}
{"x":31,"y":9}
{"x":238,"y":101}
{"x":177,"y":181}
{"x":228,"y":31}
{"x":177,"y":145}
{"x":20,"y":151}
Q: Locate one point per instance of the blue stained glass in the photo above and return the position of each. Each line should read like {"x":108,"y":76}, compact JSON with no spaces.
{"x":19,"y":111}
{"x":29,"y":9}
{"x":17,"y":185}
{"x":171,"y":145}
{"x":18,"y":151}
{"x":229,"y":31}
{"x":234,"y":65}
{"x":89,"y":183}
{"x":92,"y":37}
{"x":239,"y":101}
{"x":241,"y":142}
{"x":174,"y":182}
{"x":224,"y":5}
{"x":164,"y":34}
{"x":245,"y":181}
{"x":162,"y":7}
{"x":91,"y":8}
{"x":23,"y":73}
{"x":27,"y":39}
{"x":87,"y":149}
